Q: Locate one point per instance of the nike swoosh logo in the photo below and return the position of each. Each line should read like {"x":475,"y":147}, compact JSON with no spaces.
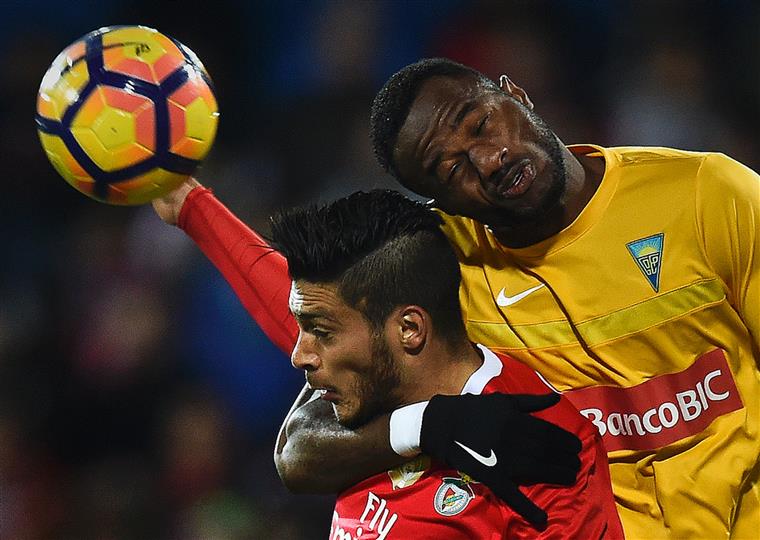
{"x":503,"y":300}
{"x":489,"y":461}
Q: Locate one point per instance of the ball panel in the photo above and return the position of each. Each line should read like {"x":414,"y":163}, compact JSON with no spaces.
{"x":128,"y":34}
{"x":200,"y":131}
{"x":194,"y":87}
{"x":145,"y":128}
{"x":115,"y":60}
{"x":193,"y":136}
{"x":61,"y":86}
{"x":90,"y":109}
{"x":125,"y":100}
{"x":62,"y":160}
{"x":114,"y":128}
{"x":176,"y":123}
{"x":166,"y":65}
{"x":110,"y":141}
{"x":145,"y":188}
{"x":142,"y":52}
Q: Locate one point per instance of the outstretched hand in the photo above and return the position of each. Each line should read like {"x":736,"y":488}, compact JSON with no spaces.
{"x":494,"y":439}
{"x":169,"y":206}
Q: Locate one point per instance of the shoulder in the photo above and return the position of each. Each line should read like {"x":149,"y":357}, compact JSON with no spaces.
{"x":720,"y":175}
{"x":469,"y":238}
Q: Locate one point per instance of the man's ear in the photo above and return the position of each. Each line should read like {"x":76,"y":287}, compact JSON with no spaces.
{"x":413,"y":328}
{"x":506,"y":84}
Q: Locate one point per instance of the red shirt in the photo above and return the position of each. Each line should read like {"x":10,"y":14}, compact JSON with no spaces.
{"x":429,"y":500}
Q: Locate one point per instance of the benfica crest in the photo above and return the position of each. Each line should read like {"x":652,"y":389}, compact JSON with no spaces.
{"x":453,"y":496}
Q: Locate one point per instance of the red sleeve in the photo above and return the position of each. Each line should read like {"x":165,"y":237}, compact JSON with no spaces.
{"x":257,"y":273}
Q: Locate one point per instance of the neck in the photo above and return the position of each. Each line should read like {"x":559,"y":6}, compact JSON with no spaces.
{"x":438,"y":369}
{"x":583,"y":174}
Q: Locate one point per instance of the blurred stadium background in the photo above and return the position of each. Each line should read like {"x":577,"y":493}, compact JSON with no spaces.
{"x":137,"y":399}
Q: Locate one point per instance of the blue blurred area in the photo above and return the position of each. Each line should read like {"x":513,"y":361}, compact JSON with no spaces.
{"x":137,"y":398}
{"x":225,"y":348}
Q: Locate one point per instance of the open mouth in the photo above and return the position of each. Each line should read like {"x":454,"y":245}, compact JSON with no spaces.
{"x":515,"y":180}
{"x":325,"y":392}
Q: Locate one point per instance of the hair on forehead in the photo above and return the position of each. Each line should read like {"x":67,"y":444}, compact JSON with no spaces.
{"x":381,"y":250}
{"x":392,"y":103}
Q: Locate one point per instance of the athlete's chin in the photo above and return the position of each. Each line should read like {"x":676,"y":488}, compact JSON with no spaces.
{"x":353,"y":417}
{"x":532,"y":207}
{"x":347,"y":415}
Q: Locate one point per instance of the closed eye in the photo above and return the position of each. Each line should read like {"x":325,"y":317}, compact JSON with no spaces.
{"x":453,"y":170}
{"x":482,"y":124}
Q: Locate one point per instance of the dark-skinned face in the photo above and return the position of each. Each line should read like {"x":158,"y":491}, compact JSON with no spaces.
{"x":480,"y":152}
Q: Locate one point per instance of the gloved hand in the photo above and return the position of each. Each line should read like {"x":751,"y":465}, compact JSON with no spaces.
{"x":494,"y":439}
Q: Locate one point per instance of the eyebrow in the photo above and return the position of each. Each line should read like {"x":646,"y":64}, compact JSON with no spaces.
{"x":466,"y":109}
{"x":309,"y":318}
{"x":433,"y":165}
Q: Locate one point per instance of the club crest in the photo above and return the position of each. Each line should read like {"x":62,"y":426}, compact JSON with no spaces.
{"x":453,"y":496}
{"x":647,"y":252}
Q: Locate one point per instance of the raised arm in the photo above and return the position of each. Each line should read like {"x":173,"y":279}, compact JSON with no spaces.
{"x":315,"y":454}
{"x":257,"y":273}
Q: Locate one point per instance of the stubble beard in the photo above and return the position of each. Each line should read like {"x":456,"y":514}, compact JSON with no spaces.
{"x":520,"y":217}
{"x":377,"y":391}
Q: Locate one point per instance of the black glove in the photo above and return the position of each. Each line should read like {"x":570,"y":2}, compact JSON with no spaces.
{"x":493,"y":439}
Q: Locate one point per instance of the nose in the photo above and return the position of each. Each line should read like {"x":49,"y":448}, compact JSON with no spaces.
{"x":487,"y":159}
{"x":304,"y":356}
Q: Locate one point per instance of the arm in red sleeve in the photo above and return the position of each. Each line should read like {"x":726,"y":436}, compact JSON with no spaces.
{"x":257,"y":273}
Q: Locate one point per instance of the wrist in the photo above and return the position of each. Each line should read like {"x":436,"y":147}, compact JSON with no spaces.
{"x":196,"y":191}
{"x":405,"y":429}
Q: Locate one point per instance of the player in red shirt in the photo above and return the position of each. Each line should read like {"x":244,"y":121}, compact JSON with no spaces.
{"x":259,"y":275}
{"x":379,"y":332}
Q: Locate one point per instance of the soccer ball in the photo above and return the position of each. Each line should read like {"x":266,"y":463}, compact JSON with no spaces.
{"x":126,"y":114}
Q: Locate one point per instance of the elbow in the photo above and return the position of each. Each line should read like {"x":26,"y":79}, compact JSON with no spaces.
{"x":293,"y":477}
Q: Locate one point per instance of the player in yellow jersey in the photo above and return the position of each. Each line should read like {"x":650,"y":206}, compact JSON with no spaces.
{"x":627,"y":277}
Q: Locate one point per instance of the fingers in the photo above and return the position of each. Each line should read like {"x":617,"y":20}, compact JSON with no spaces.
{"x":533,"y":403}
{"x":529,"y":471}
{"x":544,"y":433}
{"x":510,"y":494}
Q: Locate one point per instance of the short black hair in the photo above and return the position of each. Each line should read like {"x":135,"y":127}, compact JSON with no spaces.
{"x":392,"y":103}
{"x":382,"y":250}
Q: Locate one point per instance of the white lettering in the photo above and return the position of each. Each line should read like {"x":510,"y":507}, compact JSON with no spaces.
{"x":633,"y":419}
{"x":336,"y":532}
{"x":688,"y":404}
{"x":648,"y":422}
{"x":371,"y":500}
{"x":376,"y":510}
{"x":668,"y":406}
{"x":615,"y":424}
{"x":380,"y":512}
{"x":709,"y":391}
{"x":690,"y":407}
{"x":595,"y":415}
{"x":702,"y":396}
{"x":384,"y":529}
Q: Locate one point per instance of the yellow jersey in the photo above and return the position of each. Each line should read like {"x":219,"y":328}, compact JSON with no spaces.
{"x":645,"y":311}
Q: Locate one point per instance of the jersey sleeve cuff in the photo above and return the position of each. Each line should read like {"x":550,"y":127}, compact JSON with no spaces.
{"x":405,"y":429}
{"x":190,"y":200}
